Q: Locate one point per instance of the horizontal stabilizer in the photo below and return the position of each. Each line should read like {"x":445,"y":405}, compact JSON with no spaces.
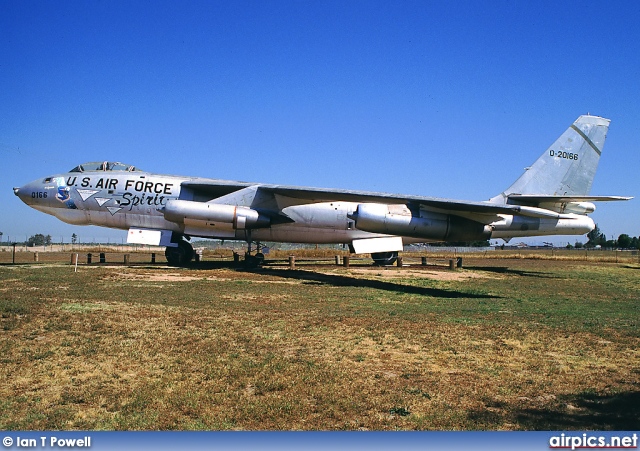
{"x":538,"y":198}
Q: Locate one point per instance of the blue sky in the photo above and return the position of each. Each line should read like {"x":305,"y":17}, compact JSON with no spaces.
{"x":448,"y":99}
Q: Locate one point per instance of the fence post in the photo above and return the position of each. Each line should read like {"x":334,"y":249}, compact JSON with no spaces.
{"x":345,"y":261}
{"x":292,"y":262}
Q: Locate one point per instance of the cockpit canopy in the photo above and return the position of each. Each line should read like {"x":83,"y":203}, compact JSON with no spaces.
{"x":104,"y":166}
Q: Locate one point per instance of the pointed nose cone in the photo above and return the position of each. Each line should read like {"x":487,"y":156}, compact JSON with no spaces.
{"x":29,"y":193}
{"x":21,"y":193}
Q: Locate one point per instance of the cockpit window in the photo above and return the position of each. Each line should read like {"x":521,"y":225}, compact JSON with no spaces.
{"x":104,"y":166}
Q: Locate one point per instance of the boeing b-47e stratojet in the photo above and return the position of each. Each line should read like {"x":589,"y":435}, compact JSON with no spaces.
{"x":550,"y":198}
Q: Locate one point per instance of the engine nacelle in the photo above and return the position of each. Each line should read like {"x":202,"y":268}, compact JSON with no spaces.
{"x":398,"y":220}
{"x":580,"y":208}
{"x":576,"y":208}
{"x":184,"y":211}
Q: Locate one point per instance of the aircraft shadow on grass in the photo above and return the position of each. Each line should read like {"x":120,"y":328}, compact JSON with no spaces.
{"x":515,"y":272}
{"x":631,"y":267}
{"x":583,"y":411}
{"x":346,"y":281}
{"x":343,"y":281}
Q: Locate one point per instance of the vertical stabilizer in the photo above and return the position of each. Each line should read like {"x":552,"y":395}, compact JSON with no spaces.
{"x":567,"y":167}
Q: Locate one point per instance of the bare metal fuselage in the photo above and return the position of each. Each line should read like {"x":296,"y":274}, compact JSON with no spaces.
{"x":550,"y":198}
{"x":125,"y":200}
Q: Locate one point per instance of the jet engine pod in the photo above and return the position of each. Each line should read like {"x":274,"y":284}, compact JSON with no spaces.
{"x":580,"y":208}
{"x":240,"y":217}
{"x":399,"y":220}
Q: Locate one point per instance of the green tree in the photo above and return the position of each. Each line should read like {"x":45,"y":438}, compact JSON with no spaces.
{"x":596,"y":238}
{"x":624,"y":241}
{"x":36,"y":240}
{"x":610,"y":244}
{"x":74,"y":238}
{"x":39,"y":240}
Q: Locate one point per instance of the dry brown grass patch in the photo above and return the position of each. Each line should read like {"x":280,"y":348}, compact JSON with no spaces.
{"x":144,"y":348}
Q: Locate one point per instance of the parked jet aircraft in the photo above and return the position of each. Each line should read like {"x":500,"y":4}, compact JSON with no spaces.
{"x":550,"y":198}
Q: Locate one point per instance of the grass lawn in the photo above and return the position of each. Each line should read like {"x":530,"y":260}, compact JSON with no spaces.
{"x":499,"y":345}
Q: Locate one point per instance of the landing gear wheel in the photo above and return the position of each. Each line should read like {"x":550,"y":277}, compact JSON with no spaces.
{"x":180,"y":255}
{"x":253,"y":261}
{"x":384,"y":258}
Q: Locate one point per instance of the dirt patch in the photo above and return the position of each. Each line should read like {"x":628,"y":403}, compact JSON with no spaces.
{"x":443,"y":274}
{"x":272,"y":277}
{"x":220,"y":275}
{"x":159,"y":277}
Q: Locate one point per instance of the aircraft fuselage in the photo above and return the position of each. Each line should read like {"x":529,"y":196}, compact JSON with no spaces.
{"x":550,"y":198}
{"x":125,"y":200}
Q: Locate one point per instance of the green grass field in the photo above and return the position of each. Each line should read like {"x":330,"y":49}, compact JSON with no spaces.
{"x":499,"y":345}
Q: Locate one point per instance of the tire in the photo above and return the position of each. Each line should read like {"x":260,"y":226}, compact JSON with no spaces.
{"x":180,"y":255}
{"x":384,"y":258}
{"x":253,"y":261}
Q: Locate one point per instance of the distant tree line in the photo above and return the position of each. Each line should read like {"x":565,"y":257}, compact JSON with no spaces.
{"x":42,"y":240}
{"x":597,"y":238}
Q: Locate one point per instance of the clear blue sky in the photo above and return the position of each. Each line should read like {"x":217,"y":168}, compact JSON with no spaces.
{"x":448,"y":99}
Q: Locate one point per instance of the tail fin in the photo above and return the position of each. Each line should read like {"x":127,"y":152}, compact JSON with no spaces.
{"x":567,"y":167}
